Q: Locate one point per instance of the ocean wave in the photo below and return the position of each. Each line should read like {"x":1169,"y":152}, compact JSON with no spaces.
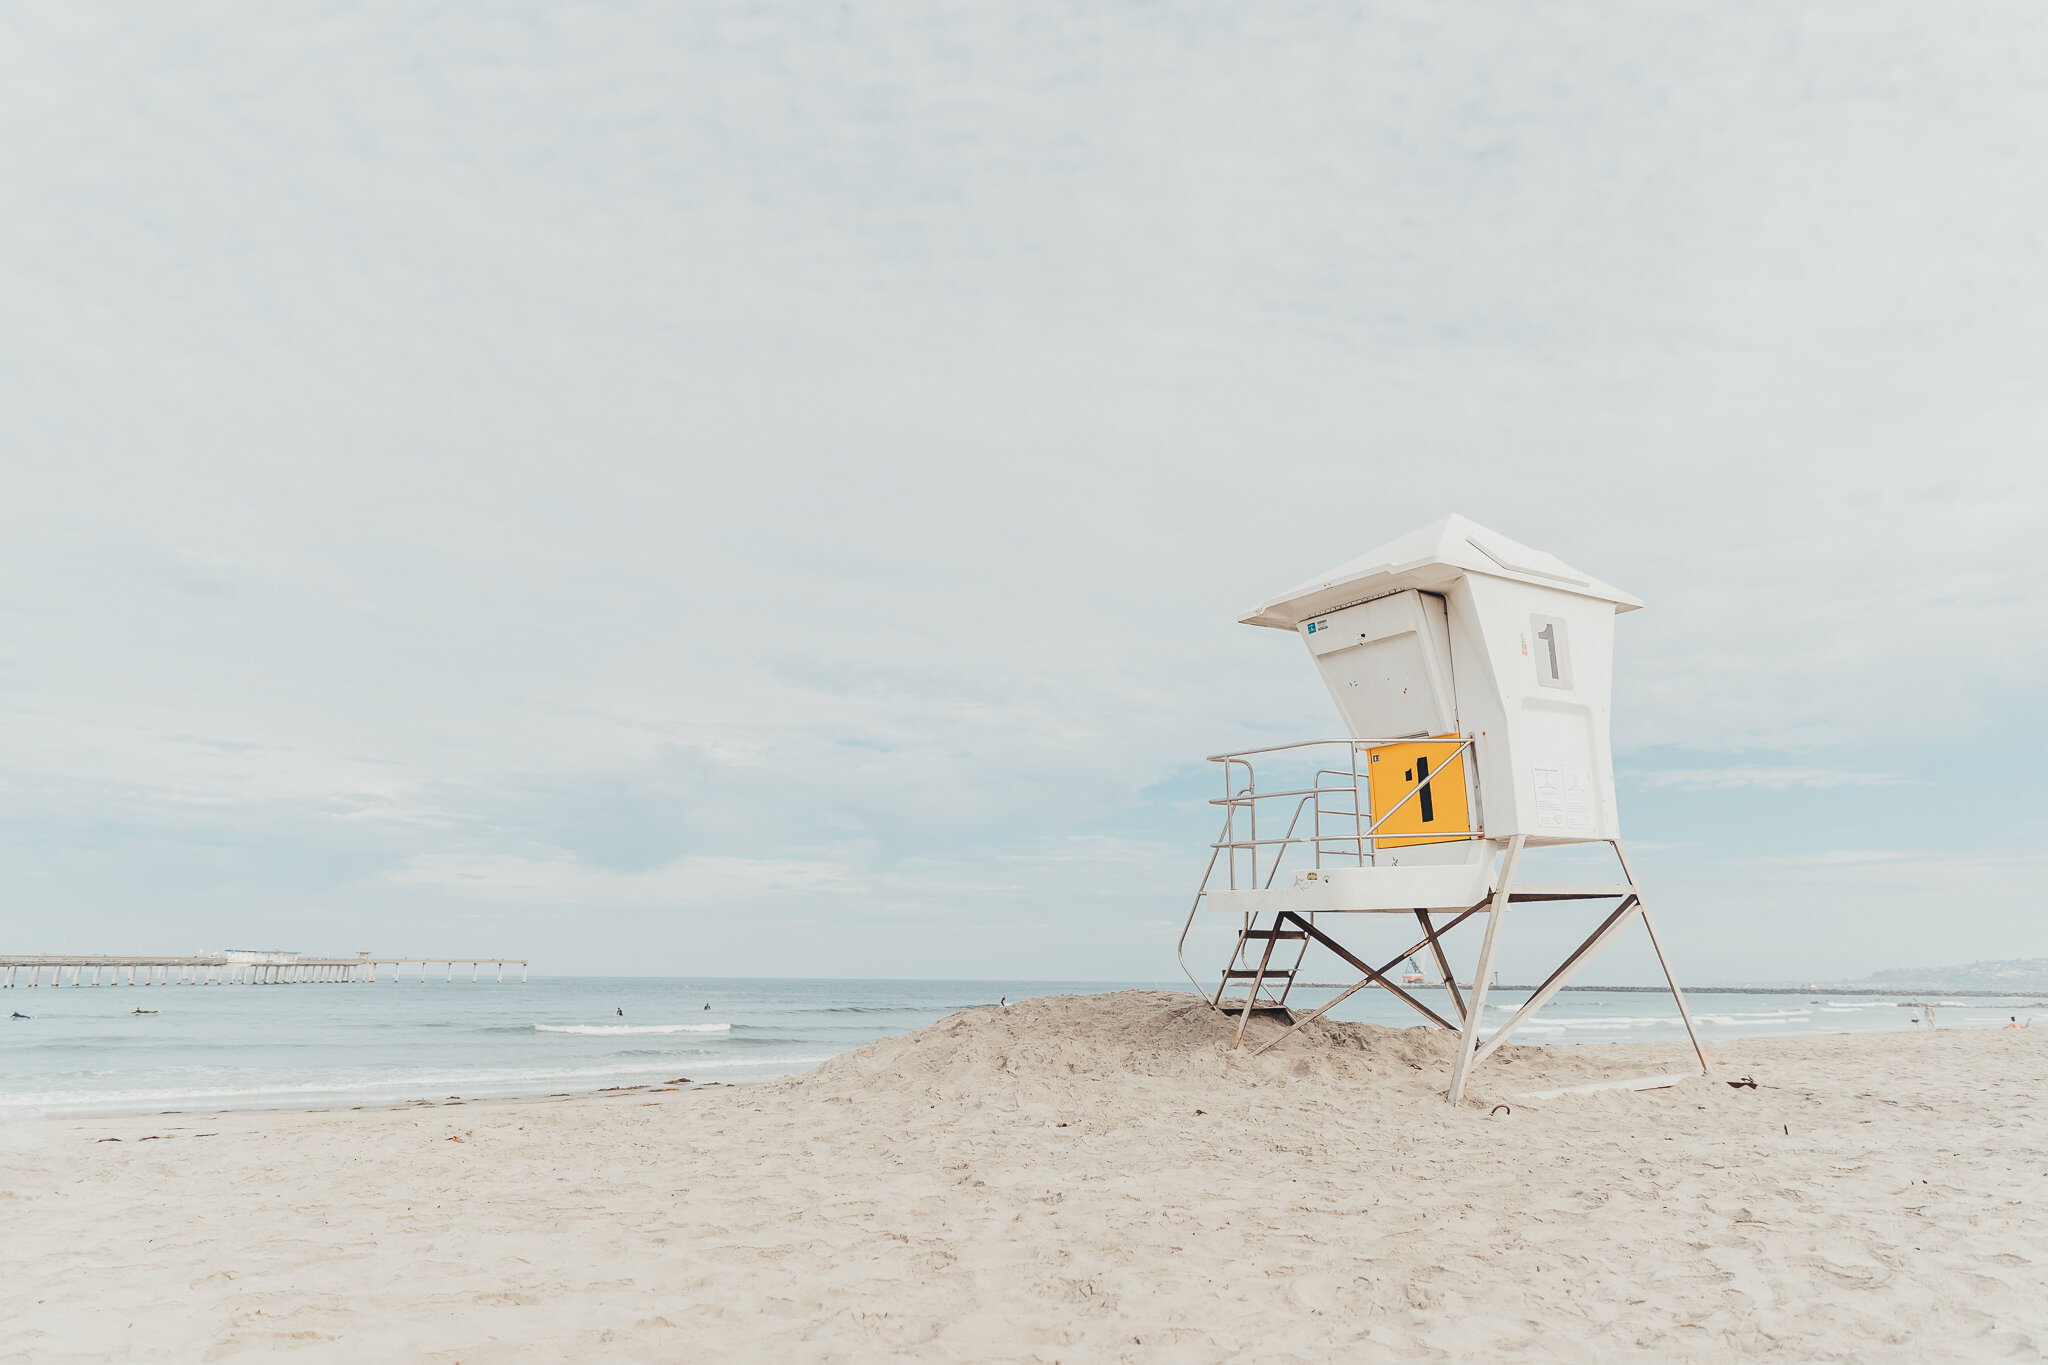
{"x":907,"y":1008}
{"x":1612,"y":1021}
{"x":1568,"y":1020}
{"x":632,"y":1028}
{"x":483,"y":1083}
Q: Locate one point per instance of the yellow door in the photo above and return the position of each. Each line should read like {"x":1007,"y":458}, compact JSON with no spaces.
{"x":1395,"y":770}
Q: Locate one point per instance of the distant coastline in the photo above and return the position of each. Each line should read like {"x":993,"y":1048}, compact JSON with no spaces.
{"x":2004,"y":976}
{"x":1956,"y":992}
{"x":1997,"y":979}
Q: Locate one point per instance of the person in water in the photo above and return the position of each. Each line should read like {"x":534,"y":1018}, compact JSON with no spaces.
{"x":622,"y":1011}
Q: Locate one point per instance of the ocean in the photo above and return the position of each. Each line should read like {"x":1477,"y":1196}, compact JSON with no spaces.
{"x":216,"y":1047}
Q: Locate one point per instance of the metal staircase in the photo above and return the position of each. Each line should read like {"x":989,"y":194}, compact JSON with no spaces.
{"x":1267,"y":970}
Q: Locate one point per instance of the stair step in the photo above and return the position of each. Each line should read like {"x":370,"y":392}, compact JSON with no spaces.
{"x":1269,"y":973}
{"x":1292,"y":934}
{"x":1276,"y":1011}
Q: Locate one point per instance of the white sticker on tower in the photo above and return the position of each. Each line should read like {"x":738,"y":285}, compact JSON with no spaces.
{"x":1578,"y":798}
{"x":1549,"y":798}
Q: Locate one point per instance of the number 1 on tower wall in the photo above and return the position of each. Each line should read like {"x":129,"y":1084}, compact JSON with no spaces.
{"x":1550,"y":651}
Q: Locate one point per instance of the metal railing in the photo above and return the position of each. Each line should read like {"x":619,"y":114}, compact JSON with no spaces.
{"x":1358,"y":848}
{"x":1239,"y":841}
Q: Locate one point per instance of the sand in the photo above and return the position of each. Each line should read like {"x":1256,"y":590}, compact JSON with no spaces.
{"x":1078,"y":1178}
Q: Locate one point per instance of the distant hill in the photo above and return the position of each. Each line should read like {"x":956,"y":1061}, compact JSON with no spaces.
{"x":2015,"y":974}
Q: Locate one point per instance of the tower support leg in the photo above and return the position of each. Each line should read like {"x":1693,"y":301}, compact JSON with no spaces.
{"x":1670,"y":978}
{"x":1631,"y":907}
{"x":1475,"y":1009}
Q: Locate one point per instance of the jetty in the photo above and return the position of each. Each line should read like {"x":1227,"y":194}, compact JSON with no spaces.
{"x":230,"y":968}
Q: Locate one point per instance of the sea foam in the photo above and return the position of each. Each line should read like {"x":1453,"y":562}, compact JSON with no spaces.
{"x":633,"y":1028}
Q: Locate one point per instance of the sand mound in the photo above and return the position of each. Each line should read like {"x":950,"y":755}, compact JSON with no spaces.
{"x":1095,"y":1054}
{"x":1123,"y":1037}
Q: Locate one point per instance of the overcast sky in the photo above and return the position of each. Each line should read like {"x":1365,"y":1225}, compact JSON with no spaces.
{"x":767,"y":489}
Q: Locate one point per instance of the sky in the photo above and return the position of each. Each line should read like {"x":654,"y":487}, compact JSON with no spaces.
{"x":767,"y":489}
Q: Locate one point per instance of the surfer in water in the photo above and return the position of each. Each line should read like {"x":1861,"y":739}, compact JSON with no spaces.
{"x":622,"y":1011}
{"x":19,"y":1015}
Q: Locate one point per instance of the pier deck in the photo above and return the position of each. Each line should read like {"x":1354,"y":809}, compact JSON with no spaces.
{"x":225,"y":970}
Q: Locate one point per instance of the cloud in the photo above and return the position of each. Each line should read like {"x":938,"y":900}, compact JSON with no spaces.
{"x":838,"y":445}
{"x":203,"y":573}
{"x":1944,"y":879}
{"x":1841,"y":857}
{"x":697,"y":882}
{"x":1772,"y":778}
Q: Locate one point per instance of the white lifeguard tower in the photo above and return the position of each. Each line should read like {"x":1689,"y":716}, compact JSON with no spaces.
{"x":1473,"y":675}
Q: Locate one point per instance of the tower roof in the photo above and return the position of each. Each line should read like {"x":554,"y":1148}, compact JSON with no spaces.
{"x":1430,"y":559}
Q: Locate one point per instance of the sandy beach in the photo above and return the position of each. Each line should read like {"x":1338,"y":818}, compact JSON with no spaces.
{"x":1077,"y":1178}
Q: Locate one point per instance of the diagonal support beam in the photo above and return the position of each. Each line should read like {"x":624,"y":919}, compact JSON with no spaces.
{"x":1566,"y":970}
{"x":1377,"y":975}
{"x":1307,"y":1019}
{"x":1360,"y":985}
{"x":1631,"y":907}
{"x":1443,"y":964}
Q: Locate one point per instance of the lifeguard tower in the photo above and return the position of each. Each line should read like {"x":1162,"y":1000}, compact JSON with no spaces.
{"x":1473,"y":675}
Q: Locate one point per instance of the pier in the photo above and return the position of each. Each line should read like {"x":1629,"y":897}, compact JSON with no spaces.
{"x":231,"y":969}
